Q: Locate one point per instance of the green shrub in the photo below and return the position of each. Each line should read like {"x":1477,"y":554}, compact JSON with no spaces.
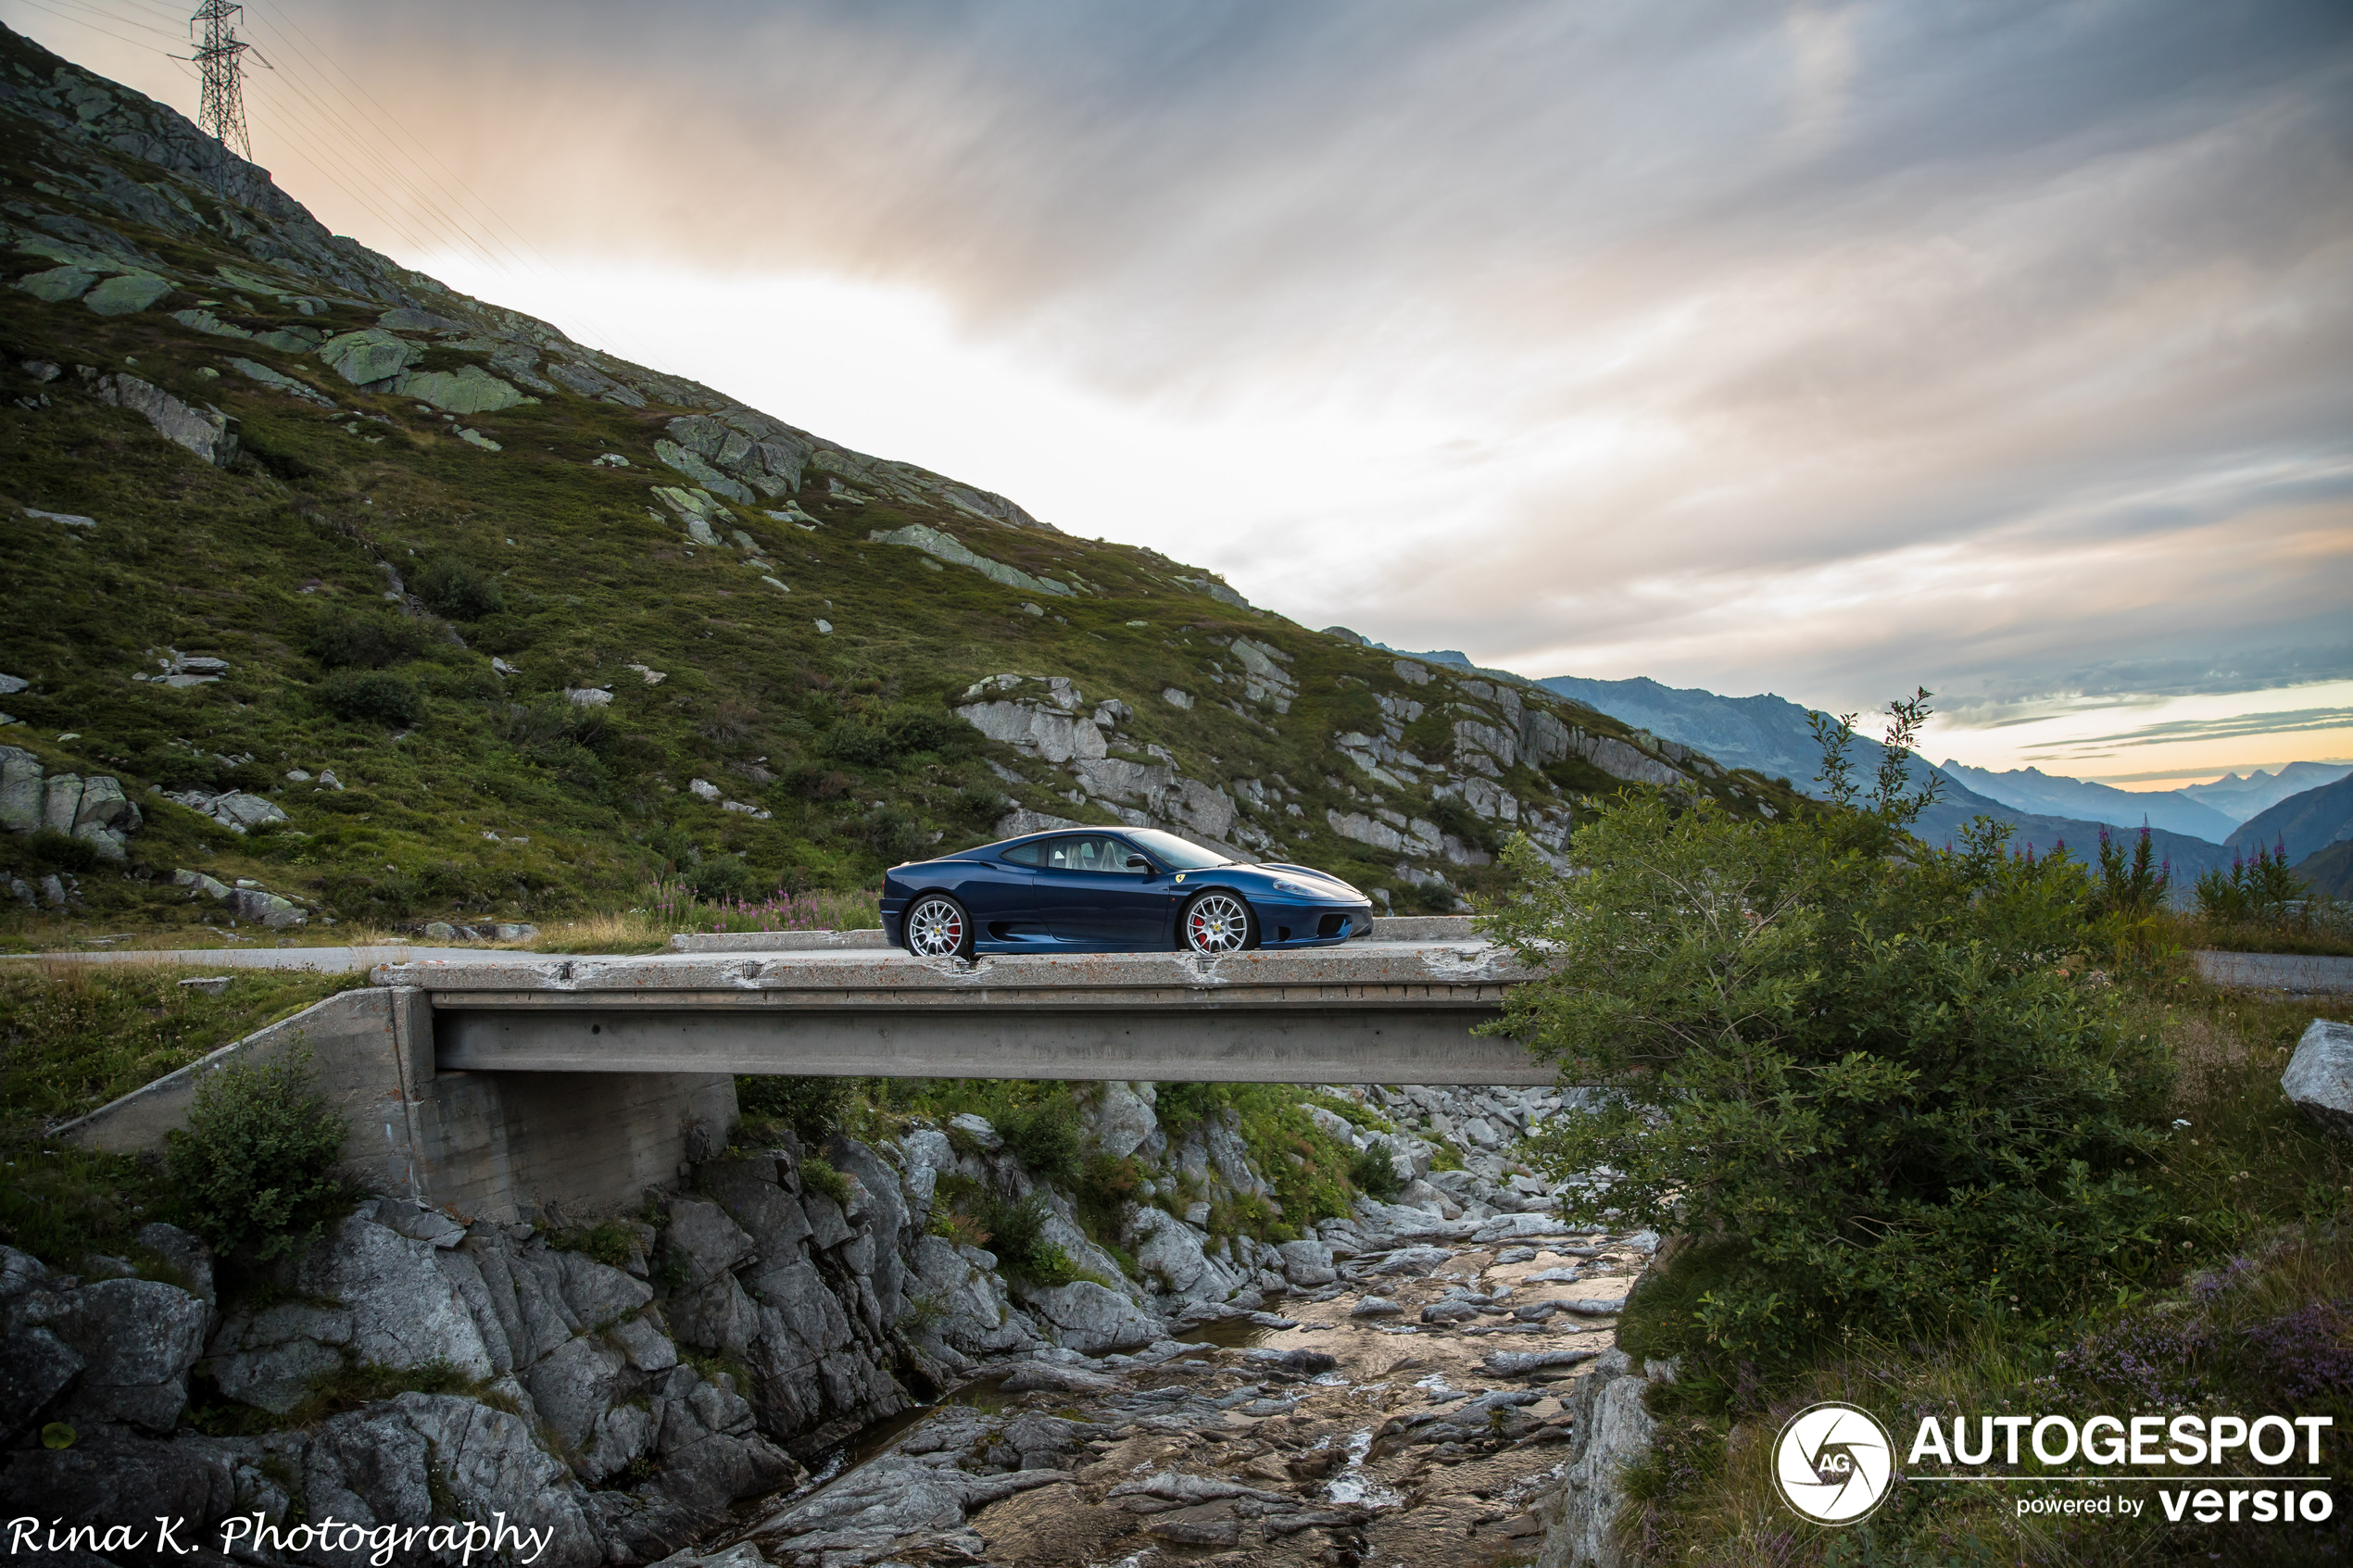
{"x":1372,"y":1173}
{"x":817,"y":1174}
{"x":608,"y":1242}
{"x":372,"y":697}
{"x":54,"y":851}
{"x":722,"y":876}
{"x":1046,"y":1138}
{"x":1857,"y":1054}
{"x":365,"y":642}
{"x":457,"y":589}
{"x":1016,"y":1232}
{"x":814,"y":1108}
{"x":255,"y":1170}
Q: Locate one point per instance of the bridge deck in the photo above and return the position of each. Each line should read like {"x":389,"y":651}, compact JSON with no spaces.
{"x":1388,"y":1012}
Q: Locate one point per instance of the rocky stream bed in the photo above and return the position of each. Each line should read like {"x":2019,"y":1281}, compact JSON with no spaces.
{"x":793,"y":1360}
{"x":1418,"y":1410}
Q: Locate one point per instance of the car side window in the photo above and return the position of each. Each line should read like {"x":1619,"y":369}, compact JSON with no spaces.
{"x":1090,"y":853}
{"x":1025,"y":855}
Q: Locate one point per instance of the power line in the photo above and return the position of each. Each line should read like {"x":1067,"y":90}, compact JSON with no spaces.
{"x":61,"y":16}
{"x":312,"y":121}
{"x":545,"y":270}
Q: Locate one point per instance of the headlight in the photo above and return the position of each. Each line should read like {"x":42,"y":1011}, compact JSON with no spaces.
{"x":1299,"y":889}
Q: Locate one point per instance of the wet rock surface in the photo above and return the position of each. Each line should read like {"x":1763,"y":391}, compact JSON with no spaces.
{"x":1342,"y":1438}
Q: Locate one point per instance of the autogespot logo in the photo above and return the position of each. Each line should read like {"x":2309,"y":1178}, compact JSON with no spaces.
{"x":1833,"y":1462}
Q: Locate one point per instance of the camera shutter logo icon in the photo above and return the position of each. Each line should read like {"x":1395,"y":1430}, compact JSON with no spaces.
{"x":1833,"y":1462}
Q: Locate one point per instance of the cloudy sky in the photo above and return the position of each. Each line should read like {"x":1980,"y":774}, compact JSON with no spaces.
{"x":2002,"y":349}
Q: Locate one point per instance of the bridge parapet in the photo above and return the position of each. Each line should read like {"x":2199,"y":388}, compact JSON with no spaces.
{"x":1367,"y":1013}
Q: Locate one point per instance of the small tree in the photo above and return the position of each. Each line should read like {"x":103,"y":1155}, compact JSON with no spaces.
{"x":2261,"y":890}
{"x":256,"y":1169}
{"x":1849,"y":1064}
{"x":2131,"y":888}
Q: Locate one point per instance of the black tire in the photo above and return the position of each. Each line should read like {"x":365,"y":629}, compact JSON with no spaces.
{"x":935,"y":926}
{"x":1215,"y":922}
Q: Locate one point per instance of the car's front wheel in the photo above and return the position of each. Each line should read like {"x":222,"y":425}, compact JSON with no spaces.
{"x":1217,"y":923}
{"x":938,"y":928}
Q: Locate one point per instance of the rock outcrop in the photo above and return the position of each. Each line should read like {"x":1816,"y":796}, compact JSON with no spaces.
{"x":1610,"y":1428}
{"x":93,"y":810}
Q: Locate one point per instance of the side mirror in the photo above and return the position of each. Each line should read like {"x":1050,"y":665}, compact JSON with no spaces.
{"x":1138,"y":863}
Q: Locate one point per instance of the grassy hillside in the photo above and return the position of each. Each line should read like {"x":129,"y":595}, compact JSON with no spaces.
{"x":426,"y":553}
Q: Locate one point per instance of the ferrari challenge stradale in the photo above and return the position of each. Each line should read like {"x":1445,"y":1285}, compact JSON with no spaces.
{"x":1111,"y":890}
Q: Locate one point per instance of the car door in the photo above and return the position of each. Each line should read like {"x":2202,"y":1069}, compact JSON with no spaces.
{"x":1093,"y":896}
{"x":1001,"y":895}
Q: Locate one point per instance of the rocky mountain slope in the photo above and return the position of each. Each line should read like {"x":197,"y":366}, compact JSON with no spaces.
{"x":331,"y":585}
{"x":770,"y":1336}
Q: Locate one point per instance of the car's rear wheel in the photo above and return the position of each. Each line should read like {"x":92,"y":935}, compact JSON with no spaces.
{"x":1217,"y":923}
{"x":938,"y":928}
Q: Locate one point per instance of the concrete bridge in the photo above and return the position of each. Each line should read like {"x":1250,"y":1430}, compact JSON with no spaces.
{"x":505,"y":1083}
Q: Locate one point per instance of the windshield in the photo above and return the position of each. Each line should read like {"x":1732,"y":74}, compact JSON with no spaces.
{"x":1173,"y":852}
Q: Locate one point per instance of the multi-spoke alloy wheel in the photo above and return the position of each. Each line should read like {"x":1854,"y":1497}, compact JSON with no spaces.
{"x":937,"y":928}
{"x":1217,"y":922}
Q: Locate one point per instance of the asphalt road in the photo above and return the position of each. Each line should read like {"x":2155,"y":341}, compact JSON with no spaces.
{"x":2296,"y":974}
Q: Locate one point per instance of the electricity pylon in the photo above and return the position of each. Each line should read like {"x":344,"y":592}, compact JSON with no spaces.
{"x":222,"y":57}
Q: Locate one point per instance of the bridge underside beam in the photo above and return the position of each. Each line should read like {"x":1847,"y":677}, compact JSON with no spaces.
{"x":1273,"y":1044}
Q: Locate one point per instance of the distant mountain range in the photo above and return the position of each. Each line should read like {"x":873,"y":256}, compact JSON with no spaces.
{"x":2243,"y":798}
{"x":2309,"y":805}
{"x":2306,"y":824}
{"x":1773,"y":735}
{"x":2031,"y":789}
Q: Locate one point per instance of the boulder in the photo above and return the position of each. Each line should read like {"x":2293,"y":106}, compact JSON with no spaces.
{"x":2320,"y":1076}
{"x":365,"y":358}
{"x":127,"y":295}
{"x":59,"y":283}
{"x":136,"y":1338}
{"x":259,"y":906}
{"x":581,"y":1392}
{"x":1307,"y":1264}
{"x":961,"y":1301}
{"x":881,"y":1502}
{"x":60,"y":798}
{"x":469,"y":390}
{"x":405,"y":1311}
{"x":703,"y":1239}
{"x":268,"y":1358}
{"x":1121,"y":1117}
{"x":240,"y":812}
{"x":1091,"y":1318}
{"x":35,"y":1367}
{"x":204,"y":432}
{"x":20,"y":789}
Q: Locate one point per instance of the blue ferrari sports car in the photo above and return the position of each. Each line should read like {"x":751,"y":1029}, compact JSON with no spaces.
{"x":1111,"y":890}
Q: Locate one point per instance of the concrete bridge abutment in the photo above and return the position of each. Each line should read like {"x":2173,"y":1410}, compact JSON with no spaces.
{"x":484,"y":1144}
